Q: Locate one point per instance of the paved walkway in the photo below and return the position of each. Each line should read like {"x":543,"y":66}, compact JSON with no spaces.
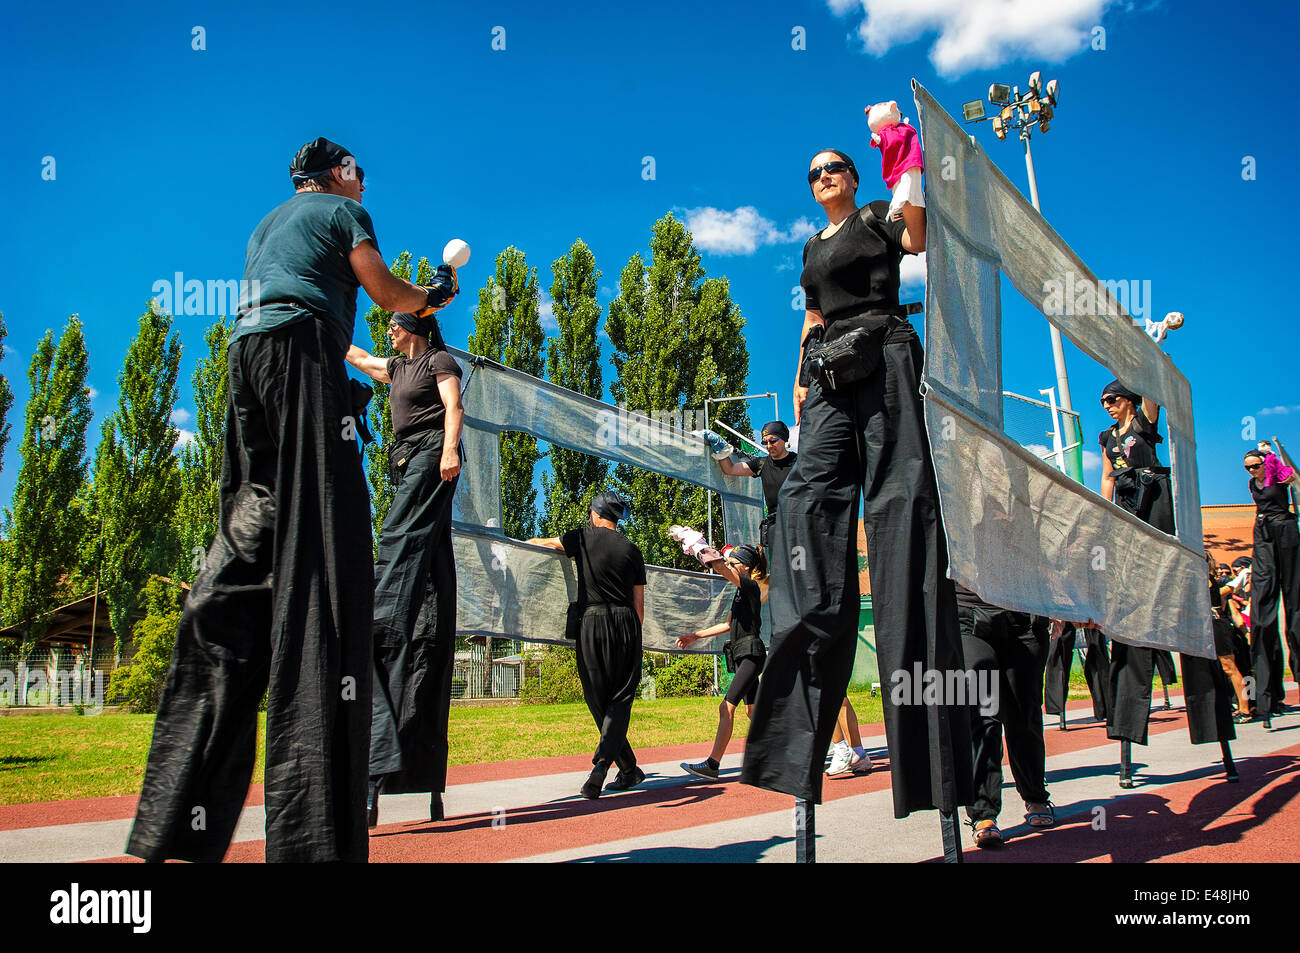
{"x":1181,"y":810}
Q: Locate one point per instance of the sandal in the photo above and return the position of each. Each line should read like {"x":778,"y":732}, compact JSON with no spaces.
{"x":1243,"y":718}
{"x":1041,"y":818}
{"x":986,"y":833}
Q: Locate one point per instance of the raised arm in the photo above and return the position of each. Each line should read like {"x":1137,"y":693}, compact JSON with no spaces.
{"x":733,"y":468}
{"x":367,"y":363}
{"x":550,"y":542}
{"x":914,"y":233}
{"x":385,"y":288}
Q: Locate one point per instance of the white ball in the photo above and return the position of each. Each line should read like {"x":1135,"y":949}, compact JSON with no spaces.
{"x":456,"y":253}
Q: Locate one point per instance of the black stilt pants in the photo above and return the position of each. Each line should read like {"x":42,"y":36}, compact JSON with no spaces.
{"x":281,"y":608}
{"x":415,"y":629}
{"x":868,"y":439}
{"x":1275,"y":574}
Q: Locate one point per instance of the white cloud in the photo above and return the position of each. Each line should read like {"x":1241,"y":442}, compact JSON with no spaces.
{"x":93,"y":393}
{"x":1091,"y":460}
{"x":741,"y":232}
{"x":181,"y":416}
{"x":546,"y":314}
{"x":975,"y":34}
{"x":1280,"y":409}
{"x":185,"y":437}
{"x":911,"y":272}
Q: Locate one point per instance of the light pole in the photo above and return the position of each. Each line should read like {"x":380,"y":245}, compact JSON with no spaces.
{"x":1020,"y":113}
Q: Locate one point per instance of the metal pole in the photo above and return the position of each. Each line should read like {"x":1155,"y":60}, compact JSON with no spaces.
{"x":708,"y":527}
{"x":1074,"y":462}
{"x":805,"y":832}
{"x":951,"y":838}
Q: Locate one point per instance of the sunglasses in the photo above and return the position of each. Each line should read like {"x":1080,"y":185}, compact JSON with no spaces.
{"x":1110,"y":399}
{"x":768,"y":441}
{"x":834,"y":167}
{"x":1255,"y":467}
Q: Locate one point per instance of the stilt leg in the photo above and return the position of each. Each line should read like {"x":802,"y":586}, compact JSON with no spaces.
{"x":1165,"y":688}
{"x":805,"y":832}
{"x":951,"y":838}
{"x":1229,"y":767}
{"x":1062,"y":724}
{"x":1125,"y":764}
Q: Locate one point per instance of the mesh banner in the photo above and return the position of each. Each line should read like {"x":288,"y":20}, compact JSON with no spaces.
{"x":507,"y":589}
{"x":1020,"y":533}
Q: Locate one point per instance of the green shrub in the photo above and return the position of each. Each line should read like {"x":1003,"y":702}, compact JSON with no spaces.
{"x":685,"y":676}
{"x":140,"y":684}
{"x":559,"y":680}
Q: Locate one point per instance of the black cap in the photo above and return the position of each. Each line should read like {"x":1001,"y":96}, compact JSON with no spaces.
{"x":611,"y":506}
{"x":316,"y":158}
{"x":776,"y":428}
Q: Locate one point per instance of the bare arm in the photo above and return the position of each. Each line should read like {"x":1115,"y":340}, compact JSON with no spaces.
{"x":733,"y":468}
{"x":914,"y":230}
{"x":449,"y":391}
{"x":710,"y":632}
{"x":1107,"y":478}
{"x":385,"y":289}
{"x":638,"y":602}
{"x":811,"y":319}
{"x":367,"y":363}
{"x":550,"y":542}
{"x":1151,"y":409}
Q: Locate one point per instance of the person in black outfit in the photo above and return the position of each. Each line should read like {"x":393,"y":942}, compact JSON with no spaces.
{"x":772,"y":470}
{"x":1132,"y":476}
{"x":1012,"y":647}
{"x":1060,"y":658}
{"x":867,"y":436}
{"x":611,"y":597}
{"x":1275,"y":575}
{"x":746,"y":568}
{"x":282,"y":605}
{"x":415,"y":569}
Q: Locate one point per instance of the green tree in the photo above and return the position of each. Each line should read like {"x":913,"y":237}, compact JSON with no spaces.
{"x":140,"y":683}
{"x":678,"y":338}
{"x":44,"y":523}
{"x":6,"y":396}
{"x":573,"y":361}
{"x":198,"y":512}
{"x":380,"y":415}
{"x":137,"y":480}
{"x":508,"y":329}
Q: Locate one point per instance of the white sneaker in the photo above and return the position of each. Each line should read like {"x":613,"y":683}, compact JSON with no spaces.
{"x":842,"y":762}
{"x":863,"y":764}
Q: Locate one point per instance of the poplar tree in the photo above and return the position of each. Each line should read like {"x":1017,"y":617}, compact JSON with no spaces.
{"x":678,"y":338}
{"x":508,"y":330}
{"x":44,"y":522}
{"x":573,"y":361}
{"x":137,"y":480}
{"x":6,"y":396}
{"x":198,"y":513}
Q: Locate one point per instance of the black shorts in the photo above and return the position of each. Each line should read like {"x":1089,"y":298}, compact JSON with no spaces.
{"x":744,"y":686}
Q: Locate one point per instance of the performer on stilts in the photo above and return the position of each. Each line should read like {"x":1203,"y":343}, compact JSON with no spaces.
{"x":861,"y":431}
{"x":1133,"y":477}
{"x":1060,"y":659}
{"x":1275,"y":577}
{"x":415,"y":568}
{"x":282,"y":605}
{"x":608,"y":615}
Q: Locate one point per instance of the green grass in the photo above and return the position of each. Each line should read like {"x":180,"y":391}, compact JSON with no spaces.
{"x":59,"y":757}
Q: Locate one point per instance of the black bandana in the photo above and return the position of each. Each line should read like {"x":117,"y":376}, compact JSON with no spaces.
{"x":316,"y":158}
{"x":611,"y":506}
{"x":1115,"y":388}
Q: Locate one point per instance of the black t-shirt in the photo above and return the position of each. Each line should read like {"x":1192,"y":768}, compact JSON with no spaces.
{"x":968,"y":599}
{"x":773,"y":474}
{"x":298,"y":256}
{"x":609,"y":565}
{"x":414,"y":400}
{"x":855,"y":271}
{"x":746,"y":611}
{"x":1270,"y":501}
{"x":1134,"y":448}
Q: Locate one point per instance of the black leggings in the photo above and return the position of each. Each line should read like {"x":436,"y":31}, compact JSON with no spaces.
{"x":744,"y":686}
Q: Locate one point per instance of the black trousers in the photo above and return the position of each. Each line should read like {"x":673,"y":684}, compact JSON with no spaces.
{"x":871,"y":438}
{"x":1275,"y":573}
{"x":415,"y":629}
{"x":609,"y":667}
{"x":1096,"y":670}
{"x":1007,"y":650}
{"x":282,"y":608}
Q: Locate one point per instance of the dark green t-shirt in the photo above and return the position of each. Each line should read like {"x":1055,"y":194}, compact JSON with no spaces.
{"x":298,"y":256}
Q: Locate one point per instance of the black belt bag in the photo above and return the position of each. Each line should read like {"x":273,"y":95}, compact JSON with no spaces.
{"x":851,"y":357}
{"x":400,"y":453}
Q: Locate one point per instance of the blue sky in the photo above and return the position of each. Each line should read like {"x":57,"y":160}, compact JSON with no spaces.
{"x":166,"y":157}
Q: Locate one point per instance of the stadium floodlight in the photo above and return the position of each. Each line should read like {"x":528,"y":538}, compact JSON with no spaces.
{"x":1052,"y":89}
{"x":999,"y":95}
{"x":1035,"y":82}
{"x":999,"y":128}
{"x":973,"y":111}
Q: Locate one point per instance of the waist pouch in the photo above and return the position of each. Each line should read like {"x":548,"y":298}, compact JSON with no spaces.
{"x":400,"y":453}
{"x":852,"y":356}
{"x":735,"y":651}
{"x":1138,"y":485}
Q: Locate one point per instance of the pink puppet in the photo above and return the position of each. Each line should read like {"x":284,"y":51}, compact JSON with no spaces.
{"x":900,"y":156}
